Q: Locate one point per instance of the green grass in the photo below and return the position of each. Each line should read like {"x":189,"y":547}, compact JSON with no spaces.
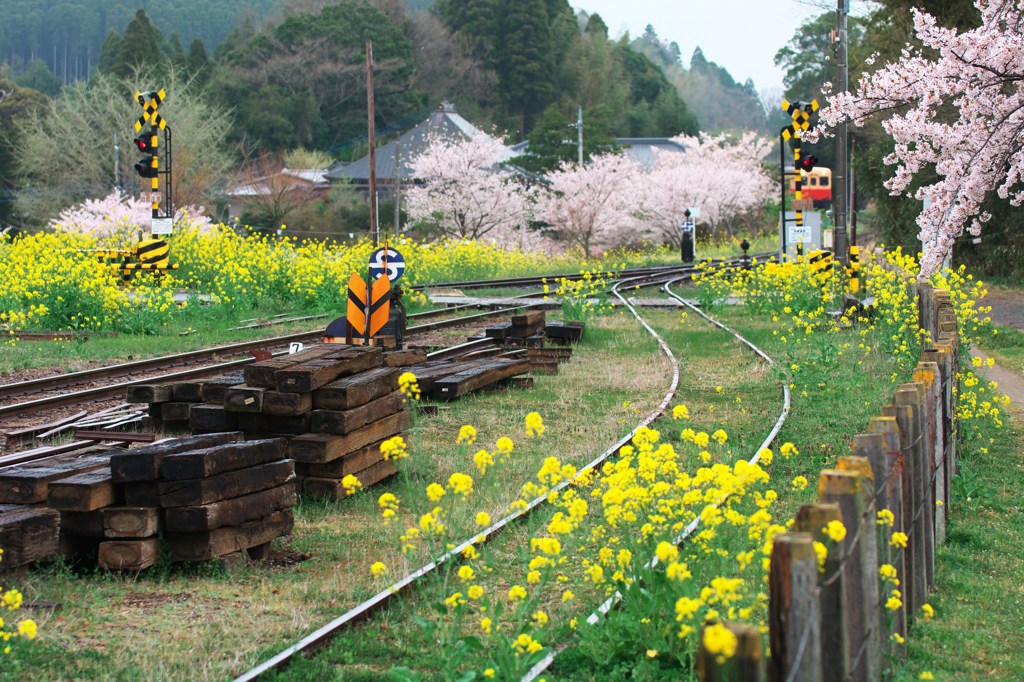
{"x":175,"y":622}
{"x":1006,"y":345}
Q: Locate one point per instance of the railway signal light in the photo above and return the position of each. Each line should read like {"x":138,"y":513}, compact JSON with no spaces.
{"x":147,"y":144}
{"x":807,"y":163}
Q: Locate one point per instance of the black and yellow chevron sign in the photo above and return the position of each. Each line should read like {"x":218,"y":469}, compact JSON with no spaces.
{"x":367,"y":317}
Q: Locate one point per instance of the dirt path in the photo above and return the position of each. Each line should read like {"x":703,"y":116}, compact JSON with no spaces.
{"x":1007,"y":309}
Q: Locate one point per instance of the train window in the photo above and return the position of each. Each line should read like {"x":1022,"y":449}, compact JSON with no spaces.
{"x":824,"y":181}
{"x":814,"y":182}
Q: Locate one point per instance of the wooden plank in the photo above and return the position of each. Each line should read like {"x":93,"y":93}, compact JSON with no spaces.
{"x":264,"y":372}
{"x":149,"y":393}
{"x":221,"y":458}
{"x":499,"y":332}
{"x":130,"y":522}
{"x":323,"y":447}
{"x":227,"y":540}
{"x":404,"y":358}
{"x":30,"y":483}
{"x":549,"y":354}
{"x":285,"y":403}
{"x":187,"y":391}
{"x":743,"y":666}
{"x":346,"y":421}
{"x":85,"y":524}
{"x":530,"y":318}
{"x":28,"y":534}
{"x":175,"y":411}
{"x":331,"y":488}
{"x":316,"y":373}
{"x":214,"y":388}
{"x":17,"y":437}
{"x":212,"y":418}
{"x":244,"y":398}
{"x":140,"y":494}
{"x":355,"y":390}
{"x":119,"y":436}
{"x":273,"y":424}
{"x":227,"y":485}
{"x":564,"y":331}
{"x":128,"y":555}
{"x":232,"y":512}
{"x":83,"y":492}
{"x":143,"y":464}
{"x":471,"y":380}
{"x":342,"y":466}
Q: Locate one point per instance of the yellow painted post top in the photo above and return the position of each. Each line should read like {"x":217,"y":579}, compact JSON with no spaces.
{"x":833,"y":482}
{"x":858,"y":465}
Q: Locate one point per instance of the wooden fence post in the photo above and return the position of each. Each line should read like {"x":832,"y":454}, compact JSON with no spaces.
{"x":942,"y":356}
{"x":743,"y":666}
{"x":916,"y":590}
{"x":888,"y":429}
{"x":849,"y":491}
{"x":835,"y":644}
{"x":928,"y":374}
{"x":794,"y":619}
{"x":912,"y":394}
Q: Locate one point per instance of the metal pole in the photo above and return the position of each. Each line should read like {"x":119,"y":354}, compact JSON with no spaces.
{"x":782,"y":203}
{"x":579,"y":135}
{"x":117,"y":163}
{"x":398,"y":184}
{"x":840,"y":187}
{"x":371,"y":133}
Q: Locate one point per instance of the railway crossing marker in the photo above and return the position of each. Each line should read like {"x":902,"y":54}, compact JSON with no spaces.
{"x":800,"y":112}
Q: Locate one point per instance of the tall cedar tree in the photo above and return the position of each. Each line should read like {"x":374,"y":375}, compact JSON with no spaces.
{"x":527,"y":60}
{"x":140,"y":46}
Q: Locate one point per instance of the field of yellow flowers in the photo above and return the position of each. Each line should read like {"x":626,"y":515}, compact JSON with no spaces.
{"x":513,"y":600}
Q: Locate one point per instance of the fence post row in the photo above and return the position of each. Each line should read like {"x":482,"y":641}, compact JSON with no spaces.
{"x":833,"y":623}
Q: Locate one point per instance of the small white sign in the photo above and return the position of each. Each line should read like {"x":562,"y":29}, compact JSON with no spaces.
{"x":295,"y":347}
{"x":801,"y":233}
{"x":162,"y":226}
{"x":694,"y":212}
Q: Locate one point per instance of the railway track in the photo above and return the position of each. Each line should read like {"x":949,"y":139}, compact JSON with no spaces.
{"x":322,"y":635}
{"x":203,"y":362}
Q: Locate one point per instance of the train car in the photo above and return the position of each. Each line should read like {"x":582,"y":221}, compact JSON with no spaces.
{"x":817,"y":186}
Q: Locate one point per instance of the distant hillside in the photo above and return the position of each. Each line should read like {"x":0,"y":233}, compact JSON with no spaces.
{"x":720,"y":103}
{"x":67,"y":35}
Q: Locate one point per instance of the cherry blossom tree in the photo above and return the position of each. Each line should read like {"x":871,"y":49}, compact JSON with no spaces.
{"x":954,"y":107}
{"x":120,"y":220}
{"x":719,"y":175}
{"x":467,"y":194}
{"x":592,"y":206}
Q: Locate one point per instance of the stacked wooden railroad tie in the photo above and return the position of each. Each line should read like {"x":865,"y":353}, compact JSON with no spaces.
{"x":32,"y":495}
{"x":211,"y":495}
{"x":524,"y":331}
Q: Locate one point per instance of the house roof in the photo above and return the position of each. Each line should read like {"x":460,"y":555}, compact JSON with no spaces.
{"x":640,"y":150}
{"x":443,"y":122}
{"x":310,"y":176}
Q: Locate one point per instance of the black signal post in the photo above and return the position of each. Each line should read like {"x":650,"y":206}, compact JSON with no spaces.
{"x":801,"y":114}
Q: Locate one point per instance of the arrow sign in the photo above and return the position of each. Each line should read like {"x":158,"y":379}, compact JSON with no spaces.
{"x":389,"y":261}
{"x":357,"y":311}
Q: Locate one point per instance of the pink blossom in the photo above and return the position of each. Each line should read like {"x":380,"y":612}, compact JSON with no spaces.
{"x":466,"y":193}
{"x":119,"y":219}
{"x":980,"y":151}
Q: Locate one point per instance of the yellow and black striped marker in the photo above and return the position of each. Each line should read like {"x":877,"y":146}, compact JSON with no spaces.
{"x":822,"y":263}
{"x":853,"y":269}
{"x":377,"y":309}
{"x":801,"y":115}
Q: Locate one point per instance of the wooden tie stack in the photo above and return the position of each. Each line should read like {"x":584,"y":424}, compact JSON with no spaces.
{"x":524,"y":331}
{"x":212,"y":495}
{"x":35,"y":497}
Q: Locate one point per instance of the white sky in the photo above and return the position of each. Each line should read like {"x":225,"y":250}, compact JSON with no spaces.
{"x":740,"y":35}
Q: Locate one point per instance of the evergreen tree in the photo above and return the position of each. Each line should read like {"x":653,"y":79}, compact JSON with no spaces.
{"x":140,"y":46}
{"x":109,"y":51}
{"x":527,"y":60}
{"x":198,"y":63}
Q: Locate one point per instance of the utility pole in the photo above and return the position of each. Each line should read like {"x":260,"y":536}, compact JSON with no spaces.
{"x":840,"y":187}
{"x":371,"y":133}
{"x":398,"y":184}
{"x":579,"y":135}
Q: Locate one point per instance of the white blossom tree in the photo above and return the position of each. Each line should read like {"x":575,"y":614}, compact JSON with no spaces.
{"x":957,"y":109}
{"x":720,"y":175}
{"x":592,"y":206}
{"x":466,"y":193}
